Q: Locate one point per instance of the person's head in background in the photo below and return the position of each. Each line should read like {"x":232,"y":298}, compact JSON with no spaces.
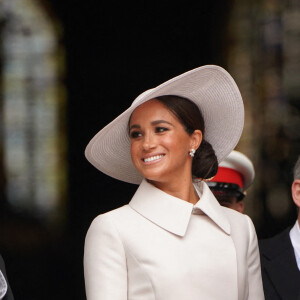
{"x":296,"y":187}
{"x":234,"y":176}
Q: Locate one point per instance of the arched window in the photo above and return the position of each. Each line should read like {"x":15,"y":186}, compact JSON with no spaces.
{"x":32,"y":109}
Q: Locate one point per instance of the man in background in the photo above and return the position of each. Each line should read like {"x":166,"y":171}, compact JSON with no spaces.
{"x":280,"y":255}
{"x":234,"y":176}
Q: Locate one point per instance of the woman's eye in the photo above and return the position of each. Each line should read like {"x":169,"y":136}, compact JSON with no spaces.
{"x":135,"y":134}
{"x":161,"y":129}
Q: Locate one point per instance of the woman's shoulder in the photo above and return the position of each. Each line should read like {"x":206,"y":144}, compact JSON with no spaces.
{"x":108,"y":223}
{"x":118,"y":218}
{"x":117,"y":213}
{"x":232,"y":213}
{"x":238,"y":221}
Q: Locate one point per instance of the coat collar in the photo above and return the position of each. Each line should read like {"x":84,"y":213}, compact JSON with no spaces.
{"x":173,"y":214}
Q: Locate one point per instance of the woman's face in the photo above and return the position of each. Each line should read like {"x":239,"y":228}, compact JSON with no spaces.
{"x":159,"y":144}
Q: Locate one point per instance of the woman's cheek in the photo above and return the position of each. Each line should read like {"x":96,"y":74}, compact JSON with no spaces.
{"x":133,"y":151}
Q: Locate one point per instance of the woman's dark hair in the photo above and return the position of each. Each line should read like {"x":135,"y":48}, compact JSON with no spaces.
{"x":205,"y":162}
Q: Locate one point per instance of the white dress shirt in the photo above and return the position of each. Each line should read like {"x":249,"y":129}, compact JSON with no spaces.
{"x":295,"y":239}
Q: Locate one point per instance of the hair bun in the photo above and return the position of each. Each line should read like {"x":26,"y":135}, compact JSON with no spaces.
{"x":205,"y":162}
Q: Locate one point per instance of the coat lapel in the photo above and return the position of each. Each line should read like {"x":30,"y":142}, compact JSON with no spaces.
{"x":164,"y":210}
{"x":209,"y":205}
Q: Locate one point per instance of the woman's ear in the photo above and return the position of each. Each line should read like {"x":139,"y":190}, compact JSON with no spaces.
{"x":296,"y":192}
{"x":196,"y":139}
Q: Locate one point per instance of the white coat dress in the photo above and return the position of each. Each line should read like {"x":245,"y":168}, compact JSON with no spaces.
{"x":159,"y":247}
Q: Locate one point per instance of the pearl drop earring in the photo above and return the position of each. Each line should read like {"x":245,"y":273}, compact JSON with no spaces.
{"x":192,"y":152}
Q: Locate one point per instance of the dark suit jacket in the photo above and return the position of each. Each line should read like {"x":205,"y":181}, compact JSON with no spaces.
{"x":280,"y":273}
{"x":8,"y":295}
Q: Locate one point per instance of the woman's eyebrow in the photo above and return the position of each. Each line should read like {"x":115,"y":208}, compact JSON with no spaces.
{"x":156,"y":122}
{"x":134,"y":126}
{"x":153,"y":123}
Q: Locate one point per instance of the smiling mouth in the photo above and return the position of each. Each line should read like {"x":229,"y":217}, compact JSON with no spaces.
{"x":152,"y":158}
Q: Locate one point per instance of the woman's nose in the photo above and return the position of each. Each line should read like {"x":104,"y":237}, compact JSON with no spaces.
{"x":149,"y":142}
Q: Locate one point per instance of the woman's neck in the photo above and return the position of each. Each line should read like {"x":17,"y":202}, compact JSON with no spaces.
{"x":183,"y":190}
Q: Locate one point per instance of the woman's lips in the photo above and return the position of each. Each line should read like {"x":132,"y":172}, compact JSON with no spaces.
{"x":153,"y":158}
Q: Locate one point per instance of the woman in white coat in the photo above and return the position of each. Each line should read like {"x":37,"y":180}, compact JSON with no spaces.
{"x":173,"y":241}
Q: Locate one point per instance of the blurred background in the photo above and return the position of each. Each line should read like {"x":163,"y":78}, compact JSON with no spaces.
{"x":67,"y":68}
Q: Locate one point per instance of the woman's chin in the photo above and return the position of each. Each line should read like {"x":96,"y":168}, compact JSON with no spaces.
{"x":152,"y":175}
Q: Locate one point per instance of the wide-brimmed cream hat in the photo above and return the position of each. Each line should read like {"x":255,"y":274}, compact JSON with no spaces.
{"x":210,"y":87}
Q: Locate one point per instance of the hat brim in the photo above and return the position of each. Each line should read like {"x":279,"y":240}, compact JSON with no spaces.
{"x":210,"y":87}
